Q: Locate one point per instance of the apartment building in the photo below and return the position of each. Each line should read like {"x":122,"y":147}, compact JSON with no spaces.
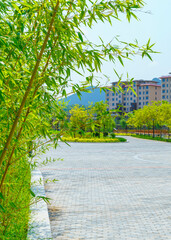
{"x":146,"y":92}
{"x":166,"y":88}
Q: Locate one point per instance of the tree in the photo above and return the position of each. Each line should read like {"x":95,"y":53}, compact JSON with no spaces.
{"x":103,"y":121}
{"x":41,"y":43}
{"x":78,"y":120}
{"x":156,"y":114}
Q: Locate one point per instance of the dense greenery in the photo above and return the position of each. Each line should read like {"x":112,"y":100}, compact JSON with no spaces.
{"x":41,"y":43}
{"x":157,"y":114}
{"x":94,"y":140}
{"x":95,"y":119}
{"x":15,"y":202}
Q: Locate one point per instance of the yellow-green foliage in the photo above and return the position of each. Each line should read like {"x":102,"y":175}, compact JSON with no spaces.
{"x":159,"y":113}
{"x":15,"y":201}
{"x":40,"y":45}
{"x":93,"y":140}
{"x":123,"y":134}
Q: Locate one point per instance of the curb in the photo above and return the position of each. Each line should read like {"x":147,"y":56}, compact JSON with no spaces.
{"x":39,"y":224}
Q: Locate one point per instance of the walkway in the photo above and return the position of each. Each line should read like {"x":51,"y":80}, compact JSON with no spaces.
{"x":110,"y":191}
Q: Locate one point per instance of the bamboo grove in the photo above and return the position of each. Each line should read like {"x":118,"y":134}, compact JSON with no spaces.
{"x":41,"y":44}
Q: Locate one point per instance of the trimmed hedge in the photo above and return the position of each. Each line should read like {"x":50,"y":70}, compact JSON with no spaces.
{"x":145,"y":137}
{"x":94,"y":140}
{"x":151,"y":138}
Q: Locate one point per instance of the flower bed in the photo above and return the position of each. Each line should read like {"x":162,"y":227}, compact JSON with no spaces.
{"x":94,"y":140}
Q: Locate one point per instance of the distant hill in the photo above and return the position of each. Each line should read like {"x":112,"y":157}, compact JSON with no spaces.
{"x":86,"y":98}
{"x":157,"y":80}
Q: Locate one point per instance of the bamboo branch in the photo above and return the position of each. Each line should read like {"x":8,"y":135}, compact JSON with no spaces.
{"x":27,"y":113}
{"x":29,"y":87}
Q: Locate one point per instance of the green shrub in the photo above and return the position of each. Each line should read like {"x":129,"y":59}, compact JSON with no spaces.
{"x":94,"y":140}
{"x":15,"y":201}
{"x":112,"y":135}
{"x":151,"y":138}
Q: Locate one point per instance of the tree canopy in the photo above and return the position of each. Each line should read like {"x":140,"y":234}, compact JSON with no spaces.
{"x":159,"y":113}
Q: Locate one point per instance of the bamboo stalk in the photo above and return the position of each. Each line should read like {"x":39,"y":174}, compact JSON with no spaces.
{"x":29,"y":87}
{"x":27,"y":113}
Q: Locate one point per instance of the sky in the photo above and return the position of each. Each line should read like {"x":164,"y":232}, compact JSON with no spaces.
{"x":153,"y":25}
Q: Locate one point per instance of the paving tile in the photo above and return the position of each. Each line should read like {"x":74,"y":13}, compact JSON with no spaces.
{"x":110,"y":191}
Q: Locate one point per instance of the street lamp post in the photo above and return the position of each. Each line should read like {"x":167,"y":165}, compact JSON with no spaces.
{"x":153,"y":128}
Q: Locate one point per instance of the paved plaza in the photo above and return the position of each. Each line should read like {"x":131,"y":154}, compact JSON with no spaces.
{"x":110,"y":191}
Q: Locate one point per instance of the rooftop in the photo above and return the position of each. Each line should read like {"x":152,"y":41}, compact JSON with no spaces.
{"x":168,"y":76}
{"x":140,"y":80}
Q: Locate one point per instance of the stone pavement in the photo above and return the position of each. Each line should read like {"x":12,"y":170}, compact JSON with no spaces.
{"x":110,"y":191}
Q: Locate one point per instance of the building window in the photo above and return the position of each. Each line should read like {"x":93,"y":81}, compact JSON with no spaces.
{"x":113,"y":99}
{"x":107,"y":99}
{"x":127,"y":93}
{"x":113,"y":104}
{"x":155,"y":93}
{"x":163,"y":91}
{"x":124,"y":98}
{"x":134,"y":101}
{"x":143,"y":92}
{"x":143,"y":87}
{"x":146,"y":92}
{"x":155,"y":98}
{"x":163,"y":85}
{"x":139,"y":98}
{"x":146,"y":87}
{"x":113,"y":94}
{"x":139,"y":103}
{"x":139,"y":87}
{"x":119,"y":101}
{"x":108,"y":95}
{"x":147,"y":98}
{"x":116,"y":99}
{"x":167,"y":85}
{"x":131,"y":93}
{"x":127,"y":103}
{"x":155,"y":87}
{"x":119,"y":96}
{"x":143,"y":103}
{"x":143,"y":98}
{"x":163,"y":97}
{"x":167,"y":79}
{"x":163,"y":80}
{"x":167,"y":91}
{"x":140,"y":93}
{"x":146,"y":103}
{"x":131,"y":98}
{"x":124,"y":104}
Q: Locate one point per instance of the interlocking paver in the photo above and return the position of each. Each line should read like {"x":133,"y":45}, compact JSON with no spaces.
{"x":110,"y":191}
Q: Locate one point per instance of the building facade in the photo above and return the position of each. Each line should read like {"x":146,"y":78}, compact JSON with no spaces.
{"x":166,"y":88}
{"x":146,"y":92}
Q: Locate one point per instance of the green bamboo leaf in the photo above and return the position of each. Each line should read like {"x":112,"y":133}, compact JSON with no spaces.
{"x":32,"y":193}
{"x":80,"y":36}
{"x":1,"y":196}
{"x":2,"y":208}
{"x":120,"y":60}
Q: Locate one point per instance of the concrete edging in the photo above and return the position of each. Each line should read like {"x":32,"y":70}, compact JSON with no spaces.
{"x":39,"y":225}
